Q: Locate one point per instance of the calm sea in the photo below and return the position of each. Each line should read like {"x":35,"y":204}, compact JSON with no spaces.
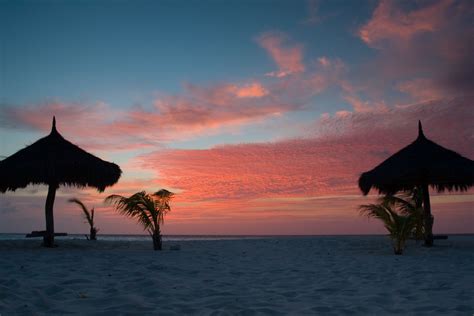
{"x":137,"y":237}
{"x":4,"y":236}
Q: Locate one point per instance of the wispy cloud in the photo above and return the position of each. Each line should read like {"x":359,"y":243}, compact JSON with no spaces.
{"x":289,"y":59}
{"x":197,"y":110}
{"x":360,"y":105}
{"x":421,"y":89}
{"x":313,"y":13}
{"x":390,"y":22}
{"x":422,"y":49}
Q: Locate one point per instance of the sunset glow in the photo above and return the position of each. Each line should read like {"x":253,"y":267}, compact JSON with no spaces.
{"x":259,"y":116}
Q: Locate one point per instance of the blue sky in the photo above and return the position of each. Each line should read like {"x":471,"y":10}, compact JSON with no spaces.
{"x":123,"y":52}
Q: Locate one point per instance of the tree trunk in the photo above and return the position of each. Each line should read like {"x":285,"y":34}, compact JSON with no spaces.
{"x":419,"y":220}
{"x":48,"y":238}
{"x":428,"y":218}
{"x":398,"y":246}
{"x":93,"y":233}
{"x":157,"y":244}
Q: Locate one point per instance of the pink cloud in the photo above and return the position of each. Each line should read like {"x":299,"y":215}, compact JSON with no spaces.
{"x":324,"y":61}
{"x":326,"y":164}
{"x":253,"y":90}
{"x":300,"y":88}
{"x":36,"y":116}
{"x":426,"y":47}
{"x":291,"y":168}
{"x":288,"y":187}
{"x":202,"y":109}
{"x":390,"y":22}
{"x":85,"y":124}
{"x":288,"y":59}
{"x":357,"y":96}
{"x":197,"y":110}
{"x":360,"y":105}
{"x":421,"y":89}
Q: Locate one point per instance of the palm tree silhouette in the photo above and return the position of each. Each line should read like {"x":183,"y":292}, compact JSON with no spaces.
{"x":400,"y":224}
{"x":410,"y":203}
{"x":148,"y":210}
{"x":89,"y":215}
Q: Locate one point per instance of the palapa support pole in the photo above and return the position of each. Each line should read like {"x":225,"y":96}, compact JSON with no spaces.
{"x":48,"y":239}
{"x":428,"y":218}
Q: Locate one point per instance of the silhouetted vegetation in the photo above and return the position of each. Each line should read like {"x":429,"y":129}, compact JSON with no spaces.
{"x":410,"y":204}
{"x":54,"y":161}
{"x":401,"y":215}
{"x":421,"y":164}
{"x":89,"y":215}
{"x":148,"y":209}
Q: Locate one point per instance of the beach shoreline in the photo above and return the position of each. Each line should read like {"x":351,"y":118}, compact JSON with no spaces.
{"x":284,"y":275}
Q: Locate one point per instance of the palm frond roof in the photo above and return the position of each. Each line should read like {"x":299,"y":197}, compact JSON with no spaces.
{"x":421,"y":162}
{"x":55,"y":160}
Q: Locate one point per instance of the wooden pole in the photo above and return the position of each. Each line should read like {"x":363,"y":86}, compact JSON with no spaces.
{"x":428,"y":218}
{"x":48,"y":239}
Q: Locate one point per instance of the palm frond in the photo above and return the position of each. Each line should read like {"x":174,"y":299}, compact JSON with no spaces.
{"x":148,"y":210}
{"x":162,"y":203}
{"x":399,"y":226}
{"x":88,"y":215}
{"x":139,"y":206}
{"x":409,"y":203}
{"x":378,"y":211}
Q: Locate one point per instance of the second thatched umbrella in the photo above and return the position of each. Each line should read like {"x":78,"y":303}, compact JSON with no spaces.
{"x":54,"y":161}
{"x":421,"y":164}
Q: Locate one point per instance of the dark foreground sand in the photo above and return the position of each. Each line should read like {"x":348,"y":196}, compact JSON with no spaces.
{"x":312,"y":276}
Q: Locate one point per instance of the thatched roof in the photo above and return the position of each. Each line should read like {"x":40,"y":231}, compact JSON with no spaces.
{"x":54,"y":160}
{"x":421,"y":162}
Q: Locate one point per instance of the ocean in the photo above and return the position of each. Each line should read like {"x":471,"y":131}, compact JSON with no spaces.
{"x":19,"y":236}
{"x":126,"y":237}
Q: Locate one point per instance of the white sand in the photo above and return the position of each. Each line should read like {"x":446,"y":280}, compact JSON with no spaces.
{"x":321,"y":275}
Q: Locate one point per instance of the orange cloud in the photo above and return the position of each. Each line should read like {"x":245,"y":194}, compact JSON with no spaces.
{"x":288,"y":59}
{"x":253,"y":90}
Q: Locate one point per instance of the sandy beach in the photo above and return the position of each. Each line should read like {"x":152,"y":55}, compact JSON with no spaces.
{"x":304,"y":275}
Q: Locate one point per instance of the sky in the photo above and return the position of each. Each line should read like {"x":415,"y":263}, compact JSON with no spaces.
{"x":259,"y":115}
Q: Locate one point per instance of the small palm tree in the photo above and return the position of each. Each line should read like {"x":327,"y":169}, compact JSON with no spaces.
{"x":410,"y":204}
{"x":148,"y":209}
{"x":398,"y":225}
{"x":89,"y":215}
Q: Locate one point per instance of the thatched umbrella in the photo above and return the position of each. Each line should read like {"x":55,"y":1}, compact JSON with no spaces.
{"x":54,"y":161}
{"x":421,"y":164}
